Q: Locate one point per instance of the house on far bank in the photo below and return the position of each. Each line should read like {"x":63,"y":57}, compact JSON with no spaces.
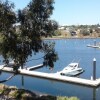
{"x":61,"y":28}
{"x":73,"y":33}
{"x":67,"y":31}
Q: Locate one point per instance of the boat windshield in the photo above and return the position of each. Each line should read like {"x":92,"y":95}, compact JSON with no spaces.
{"x":72,"y":65}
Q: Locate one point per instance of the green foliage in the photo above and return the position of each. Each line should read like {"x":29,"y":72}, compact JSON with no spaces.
{"x":1,"y":91}
{"x":67,"y":98}
{"x":34,"y":24}
{"x":15,"y":94}
{"x":84,"y":32}
{"x":7,"y":17}
{"x":97,"y":30}
{"x":57,"y":33}
{"x":91,"y":31}
{"x":7,"y":31}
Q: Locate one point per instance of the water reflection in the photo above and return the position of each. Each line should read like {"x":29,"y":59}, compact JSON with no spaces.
{"x":22,"y":80}
{"x":94,"y":93}
{"x":69,"y":87}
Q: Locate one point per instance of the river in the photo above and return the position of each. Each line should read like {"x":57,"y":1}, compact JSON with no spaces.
{"x":68,"y":50}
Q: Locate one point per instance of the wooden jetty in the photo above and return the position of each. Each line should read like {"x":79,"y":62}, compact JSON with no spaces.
{"x":56,"y":77}
{"x":35,"y":67}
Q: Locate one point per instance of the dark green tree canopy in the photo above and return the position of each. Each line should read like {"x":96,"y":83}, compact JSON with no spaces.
{"x":19,"y":42}
{"x":7,"y":31}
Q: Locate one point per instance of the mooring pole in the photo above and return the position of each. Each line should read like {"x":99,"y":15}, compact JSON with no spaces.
{"x":95,"y":42}
{"x":94,"y":69}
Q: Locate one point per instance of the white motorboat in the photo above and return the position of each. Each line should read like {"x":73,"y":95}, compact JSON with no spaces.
{"x":72,"y":69}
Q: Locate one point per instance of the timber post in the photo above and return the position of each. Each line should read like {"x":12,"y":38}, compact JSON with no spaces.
{"x":94,"y":69}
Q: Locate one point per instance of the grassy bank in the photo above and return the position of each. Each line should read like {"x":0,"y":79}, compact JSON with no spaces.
{"x":13,"y":93}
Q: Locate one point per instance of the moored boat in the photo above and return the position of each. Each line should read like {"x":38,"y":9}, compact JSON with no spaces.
{"x":72,"y":69}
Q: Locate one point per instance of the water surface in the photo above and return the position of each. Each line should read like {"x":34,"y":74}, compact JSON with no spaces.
{"x":68,"y":50}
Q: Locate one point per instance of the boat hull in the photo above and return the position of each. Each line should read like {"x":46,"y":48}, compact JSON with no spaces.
{"x":73,"y":73}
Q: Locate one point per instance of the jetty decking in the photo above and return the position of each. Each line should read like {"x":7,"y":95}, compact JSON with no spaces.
{"x":57,"y":77}
{"x":35,"y":67}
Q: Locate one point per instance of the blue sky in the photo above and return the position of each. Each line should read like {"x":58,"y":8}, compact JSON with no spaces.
{"x":71,"y":12}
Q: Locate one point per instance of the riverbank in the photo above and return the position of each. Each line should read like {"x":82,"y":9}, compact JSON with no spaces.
{"x":13,"y":93}
{"x":72,"y":37}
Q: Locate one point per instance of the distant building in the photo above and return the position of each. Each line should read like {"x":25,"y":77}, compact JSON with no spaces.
{"x":73,"y":33}
{"x":61,"y":28}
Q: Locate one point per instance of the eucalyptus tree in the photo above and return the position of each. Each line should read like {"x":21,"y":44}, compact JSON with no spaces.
{"x":7,"y":31}
{"x":34,"y":24}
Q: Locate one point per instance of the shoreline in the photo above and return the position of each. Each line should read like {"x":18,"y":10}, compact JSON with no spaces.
{"x":13,"y":93}
{"x":58,"y":38}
